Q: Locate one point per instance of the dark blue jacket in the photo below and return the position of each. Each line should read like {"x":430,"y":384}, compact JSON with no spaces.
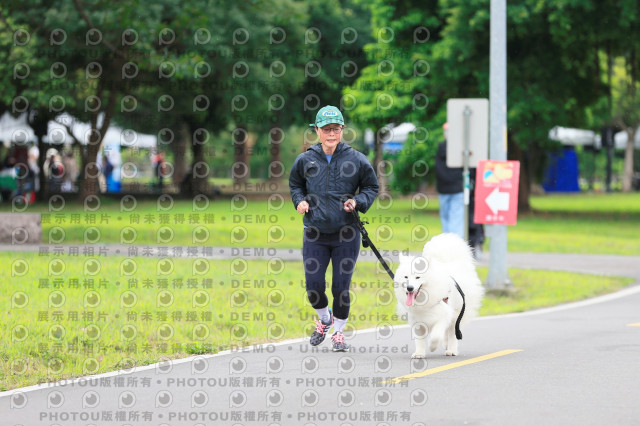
{"x":448,"y":180}
{"x":326,"y":186}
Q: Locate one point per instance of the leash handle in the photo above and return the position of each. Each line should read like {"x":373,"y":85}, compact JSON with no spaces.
{"x":366,"y":242}
{"x":363,"y":231}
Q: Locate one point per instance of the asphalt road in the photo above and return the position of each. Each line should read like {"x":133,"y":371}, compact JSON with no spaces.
{"x":574,"y":365}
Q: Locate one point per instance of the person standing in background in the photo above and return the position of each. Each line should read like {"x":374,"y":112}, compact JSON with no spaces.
{"x":159,"y":170}
{"x":449,"y":187}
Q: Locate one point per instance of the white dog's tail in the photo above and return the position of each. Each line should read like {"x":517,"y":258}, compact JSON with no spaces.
{"x":449,"y":248}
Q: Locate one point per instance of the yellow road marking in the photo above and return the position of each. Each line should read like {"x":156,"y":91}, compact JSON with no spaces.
{"x":637,"y":324}
{"x":450,"y":366}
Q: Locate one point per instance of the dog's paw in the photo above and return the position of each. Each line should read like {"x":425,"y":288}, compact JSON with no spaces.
{"x":418,"y":355}
{"x":451,"y":353}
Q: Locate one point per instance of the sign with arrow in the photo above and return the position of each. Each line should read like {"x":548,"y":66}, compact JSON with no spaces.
{"x":497,"y":192}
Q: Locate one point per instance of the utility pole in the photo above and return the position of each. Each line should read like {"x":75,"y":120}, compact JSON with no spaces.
{"x":498,"y":276}
{"x":465,"y":172}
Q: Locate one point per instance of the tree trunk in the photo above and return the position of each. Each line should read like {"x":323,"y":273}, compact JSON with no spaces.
{"x":524,"y":186}
{"x":516,"y":153}
{"x":536,"y":164}
{"x":627,"y":177}
{"x":90,"y":171}
{"x":199,"y":169}
{"x":179,"y":150}
{"x":276,"y":137}
{"x":276,"y":168}
{"x":89,"y":185}
{"x":39,"y":122}
{"x":43,"y":191}
{"x":241,"y":170}
{"x":378,"y":165}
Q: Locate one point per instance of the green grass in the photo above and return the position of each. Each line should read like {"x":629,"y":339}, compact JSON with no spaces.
{"x":588,"y":203}
{"x":90,"y":316}
{"x":581,"y":223}
{"x":586,"y":235}
{"x":539,"y":289}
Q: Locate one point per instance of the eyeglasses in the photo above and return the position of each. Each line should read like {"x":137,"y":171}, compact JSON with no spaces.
{"x":335,"y":130}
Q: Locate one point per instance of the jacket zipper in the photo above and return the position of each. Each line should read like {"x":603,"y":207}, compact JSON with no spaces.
{"x":326,"y":191}
{"x":326,"y":188}
{"x":333,"y":158}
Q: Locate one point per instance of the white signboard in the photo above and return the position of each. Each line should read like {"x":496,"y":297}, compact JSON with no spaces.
{"x":478,"y":131}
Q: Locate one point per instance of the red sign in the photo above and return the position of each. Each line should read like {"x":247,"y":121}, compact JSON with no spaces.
{"x":497,"y":192}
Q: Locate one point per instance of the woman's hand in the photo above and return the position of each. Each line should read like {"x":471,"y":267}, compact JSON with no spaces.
{"x":303,"y":207}
{"x":350,"y":205}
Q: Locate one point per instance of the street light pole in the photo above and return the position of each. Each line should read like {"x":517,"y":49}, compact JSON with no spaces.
{"x":498,"y":277}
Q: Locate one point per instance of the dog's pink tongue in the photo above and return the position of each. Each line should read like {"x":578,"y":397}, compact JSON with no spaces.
{"x":410,"y":298}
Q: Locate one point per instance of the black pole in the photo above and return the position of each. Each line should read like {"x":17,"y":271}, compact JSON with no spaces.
{"x":609,"y":161}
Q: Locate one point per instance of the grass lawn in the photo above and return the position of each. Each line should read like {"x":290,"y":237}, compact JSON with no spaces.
{"x":589,"y":203}
{"x":66,"y":316}
{"x":582,"y":223}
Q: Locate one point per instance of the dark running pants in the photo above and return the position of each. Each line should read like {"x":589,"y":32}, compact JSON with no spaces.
{"x":342,"y":249}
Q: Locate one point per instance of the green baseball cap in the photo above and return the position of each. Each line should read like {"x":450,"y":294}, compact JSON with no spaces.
{"x":328,"y":115}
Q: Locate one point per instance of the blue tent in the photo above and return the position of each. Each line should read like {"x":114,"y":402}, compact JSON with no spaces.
{"x":562,"y":172}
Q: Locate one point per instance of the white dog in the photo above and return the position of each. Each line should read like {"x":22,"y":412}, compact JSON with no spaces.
{"x":425,"y":288}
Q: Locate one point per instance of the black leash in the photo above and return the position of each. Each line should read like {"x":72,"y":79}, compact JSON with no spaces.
{"x":458,"y":332}
{"x":366,"y":242}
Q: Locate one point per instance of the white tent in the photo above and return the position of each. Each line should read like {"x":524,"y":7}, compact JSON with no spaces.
{"x":569,"y":136}
{"x":394,"y":138}
{"x":621,"y":138}
{"x":16,"y":130}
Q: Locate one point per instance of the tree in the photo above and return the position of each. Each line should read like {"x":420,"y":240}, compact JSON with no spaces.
{"x":334,"y":50}
{"x":21,"y":69}
{"x":626,"y":110}
{"x":267,"y":74}
{"x":552,"y":77}
{"x":390,"y":89}
{"x":167,"y":66}
{"x":325,"y":56}
{"x":607,"y":28}
{"x":83,"y":57}
{"x":311,"y":54}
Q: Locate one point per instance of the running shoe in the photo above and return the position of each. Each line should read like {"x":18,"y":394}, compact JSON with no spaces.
{"x":321,"y":331}
{"x":339,"y":345}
